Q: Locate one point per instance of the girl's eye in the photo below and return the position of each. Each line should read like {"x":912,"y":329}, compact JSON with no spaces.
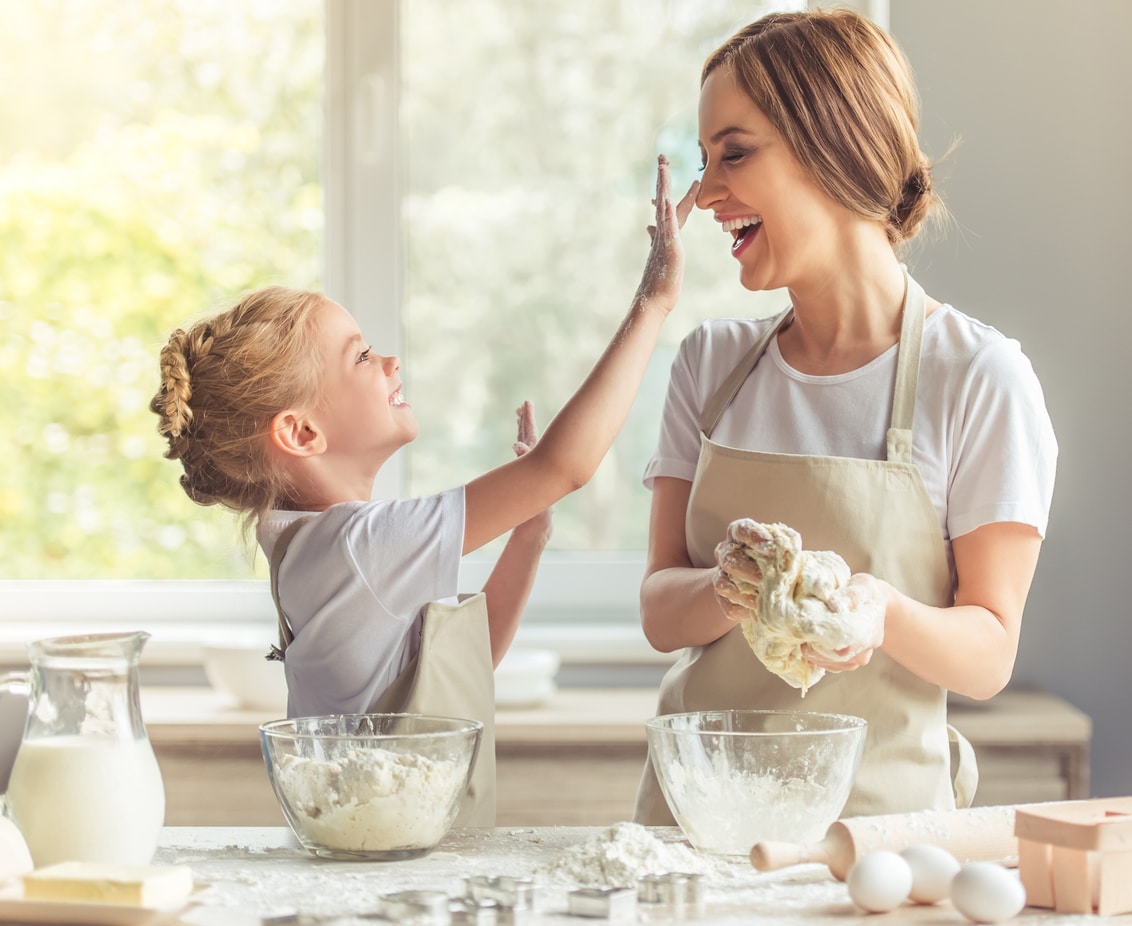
{"x":363,"y":357}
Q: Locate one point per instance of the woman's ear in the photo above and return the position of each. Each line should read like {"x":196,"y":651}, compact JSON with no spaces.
{"x":297,"y":435}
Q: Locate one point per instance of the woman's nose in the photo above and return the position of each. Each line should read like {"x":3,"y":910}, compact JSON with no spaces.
{"x":711,"y":190}
{"x":390,"y":365}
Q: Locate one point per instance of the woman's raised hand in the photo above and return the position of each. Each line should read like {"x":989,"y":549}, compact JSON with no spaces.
{"x":664,"y":269}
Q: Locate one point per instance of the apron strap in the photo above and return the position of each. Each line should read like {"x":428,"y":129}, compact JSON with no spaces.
{"x":715,"y":406}
{"x":965,"y":776}
{"x":286,"y":635}
{"x":899,"y":438}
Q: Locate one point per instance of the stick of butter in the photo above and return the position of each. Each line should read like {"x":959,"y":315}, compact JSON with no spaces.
{"x":128,"y":885}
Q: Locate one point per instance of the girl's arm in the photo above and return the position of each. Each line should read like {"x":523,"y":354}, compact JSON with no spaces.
{"x":580,"y":435}
{"x":510,"y":583}
{"x":678,"y":603}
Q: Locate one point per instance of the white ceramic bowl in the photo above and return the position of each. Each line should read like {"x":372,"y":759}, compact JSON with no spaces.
{"x":241,"y":672}
{"x":735,"y":778}
{"x":376,"y":787}
{"x":525,"y":677}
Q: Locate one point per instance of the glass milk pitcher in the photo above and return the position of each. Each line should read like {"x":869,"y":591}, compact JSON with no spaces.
{"x":85,"y":785}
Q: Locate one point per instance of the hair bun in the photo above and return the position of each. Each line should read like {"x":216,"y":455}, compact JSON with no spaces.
{"x":916,"y":197}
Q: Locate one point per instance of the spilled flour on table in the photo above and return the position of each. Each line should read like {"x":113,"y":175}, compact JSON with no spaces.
{"x":620,"y":855}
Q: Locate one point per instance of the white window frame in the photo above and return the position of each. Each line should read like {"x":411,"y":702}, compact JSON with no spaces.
{"x":584,"y":605}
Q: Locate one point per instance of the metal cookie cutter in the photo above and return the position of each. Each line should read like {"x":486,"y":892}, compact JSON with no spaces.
{"x":611,"y":903}
{"x":421,"y":907}
{"x":681,"y":892}
{"x":514,"y":898}
{"x":509,"y":893}
{"x":465,"y":911}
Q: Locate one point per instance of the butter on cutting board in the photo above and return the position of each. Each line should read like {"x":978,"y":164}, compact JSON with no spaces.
{"x":126,"y":885}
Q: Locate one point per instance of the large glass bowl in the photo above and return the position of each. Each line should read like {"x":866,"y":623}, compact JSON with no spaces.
{"x":734,"y":778}
{"x":370,"y":786}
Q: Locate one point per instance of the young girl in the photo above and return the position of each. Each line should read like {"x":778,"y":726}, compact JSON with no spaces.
{"x":279,"y":408}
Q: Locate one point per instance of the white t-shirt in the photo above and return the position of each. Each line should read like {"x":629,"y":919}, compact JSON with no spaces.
{"x":354,"y":584}
{"x":981,"y":438}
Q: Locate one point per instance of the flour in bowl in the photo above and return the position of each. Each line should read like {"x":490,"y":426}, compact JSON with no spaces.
{"x":372,"y":799}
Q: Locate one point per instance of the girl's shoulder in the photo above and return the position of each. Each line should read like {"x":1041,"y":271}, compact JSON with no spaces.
{"x":961,"y":342}
{"x":719,"y":338}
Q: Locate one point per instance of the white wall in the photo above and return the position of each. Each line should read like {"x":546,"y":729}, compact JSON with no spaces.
{"x":1041,"y":188}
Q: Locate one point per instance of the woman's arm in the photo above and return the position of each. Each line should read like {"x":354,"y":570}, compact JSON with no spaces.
{"x":969,"y":648}
{"x":678,"y":603}
{"x":583,"y":431}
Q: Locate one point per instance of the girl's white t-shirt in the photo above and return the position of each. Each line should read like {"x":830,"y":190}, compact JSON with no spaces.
{"x":354,"y":584}
{"x":982,"y":437}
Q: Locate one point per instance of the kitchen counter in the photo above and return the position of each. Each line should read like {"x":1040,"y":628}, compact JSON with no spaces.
{"x":246,"y":875}
{"x":577,"y":759}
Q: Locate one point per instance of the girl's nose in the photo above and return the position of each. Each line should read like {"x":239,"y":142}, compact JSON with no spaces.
{"x":390,"y":365}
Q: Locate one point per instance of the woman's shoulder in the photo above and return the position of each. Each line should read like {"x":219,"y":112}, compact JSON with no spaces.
{"x":725,"y":336}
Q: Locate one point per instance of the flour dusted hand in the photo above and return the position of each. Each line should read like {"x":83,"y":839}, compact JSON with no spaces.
{"x":801,"y":611}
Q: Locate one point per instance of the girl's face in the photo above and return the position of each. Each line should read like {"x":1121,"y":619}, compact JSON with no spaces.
{"x":784,"y":227}
{"x":361,"y":409}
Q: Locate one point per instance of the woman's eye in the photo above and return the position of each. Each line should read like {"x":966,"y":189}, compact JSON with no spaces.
{"x":363,"y":357}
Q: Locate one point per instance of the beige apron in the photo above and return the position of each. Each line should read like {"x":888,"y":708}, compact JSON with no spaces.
{"x":451,"y":676}
{"x":879,"y":517}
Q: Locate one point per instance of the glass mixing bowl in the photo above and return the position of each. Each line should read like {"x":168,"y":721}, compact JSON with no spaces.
{"x":370,"y":786}
{"x":734,"y":778}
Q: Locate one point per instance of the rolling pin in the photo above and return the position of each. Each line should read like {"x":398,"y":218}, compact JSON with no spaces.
{"x":973,"y":834}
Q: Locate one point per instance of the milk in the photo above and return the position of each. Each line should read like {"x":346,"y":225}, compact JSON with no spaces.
{"x":87,"y":798}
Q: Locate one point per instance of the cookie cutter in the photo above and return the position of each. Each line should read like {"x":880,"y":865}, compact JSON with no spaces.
{"x":467,"y":911}
{"x":679,"y":890}
{"x":510,"y":894}
{"x":423,"y":907}
{"x":611,"y":903}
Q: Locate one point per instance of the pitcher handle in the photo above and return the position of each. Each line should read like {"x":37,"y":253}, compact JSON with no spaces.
{"x":15,"y":683}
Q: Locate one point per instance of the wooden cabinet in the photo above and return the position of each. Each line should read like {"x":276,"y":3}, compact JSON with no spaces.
{"x":577,"y":760}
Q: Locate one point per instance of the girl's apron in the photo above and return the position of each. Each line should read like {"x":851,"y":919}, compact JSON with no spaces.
{"x":879,"y":517}
{"x":451,"y":676}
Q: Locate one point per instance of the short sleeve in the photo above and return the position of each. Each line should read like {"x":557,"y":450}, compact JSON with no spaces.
{"x":678,"y":448}
{"x":1005,"y":450}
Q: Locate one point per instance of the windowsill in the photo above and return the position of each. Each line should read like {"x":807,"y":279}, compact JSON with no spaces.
{"x":584,"y":608}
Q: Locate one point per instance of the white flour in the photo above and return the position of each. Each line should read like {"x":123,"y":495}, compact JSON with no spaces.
{"x":620,"y":855}
{"x":719,"y":807}
{"x":372,"y":799}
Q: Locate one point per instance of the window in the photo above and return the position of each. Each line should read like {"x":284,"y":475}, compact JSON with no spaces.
{"x":471,"y":180}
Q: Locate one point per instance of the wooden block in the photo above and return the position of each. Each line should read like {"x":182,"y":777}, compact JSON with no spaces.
{"x":1114,"y":882}
{"x":1036,"y":870}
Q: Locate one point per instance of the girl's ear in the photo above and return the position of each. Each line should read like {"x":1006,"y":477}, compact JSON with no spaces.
{"x":297,"y":435}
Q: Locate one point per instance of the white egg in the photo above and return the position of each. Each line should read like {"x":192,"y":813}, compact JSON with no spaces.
{"x":932,"y":871}
{"x":985,"y":892}
{"x":879,"y":881}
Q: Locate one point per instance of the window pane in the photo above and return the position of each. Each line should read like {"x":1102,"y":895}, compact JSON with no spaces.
{"x":156,"y":158}
{"x":531,"y":132}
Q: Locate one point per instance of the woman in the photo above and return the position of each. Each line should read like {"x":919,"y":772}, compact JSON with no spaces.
{"x":876,"y":421}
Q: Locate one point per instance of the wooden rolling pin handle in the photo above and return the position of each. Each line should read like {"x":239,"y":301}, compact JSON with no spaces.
{"x":771,"y":856}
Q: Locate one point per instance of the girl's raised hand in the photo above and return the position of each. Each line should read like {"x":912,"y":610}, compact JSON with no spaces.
{"x":664,"y":269}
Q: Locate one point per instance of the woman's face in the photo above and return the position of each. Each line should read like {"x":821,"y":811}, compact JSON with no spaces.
{"x":784,"y":228}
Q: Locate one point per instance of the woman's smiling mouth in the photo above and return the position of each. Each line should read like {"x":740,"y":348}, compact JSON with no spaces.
{"x":743,"y":230}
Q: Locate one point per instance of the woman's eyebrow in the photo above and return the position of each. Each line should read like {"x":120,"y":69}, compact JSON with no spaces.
{"x":730,"y":130}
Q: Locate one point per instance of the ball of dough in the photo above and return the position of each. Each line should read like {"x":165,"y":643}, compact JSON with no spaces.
{"x":932,"y":871}
{"x":879,"y":881}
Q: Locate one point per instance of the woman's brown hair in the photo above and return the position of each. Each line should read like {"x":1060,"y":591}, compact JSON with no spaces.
{"x":841,"y":94}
